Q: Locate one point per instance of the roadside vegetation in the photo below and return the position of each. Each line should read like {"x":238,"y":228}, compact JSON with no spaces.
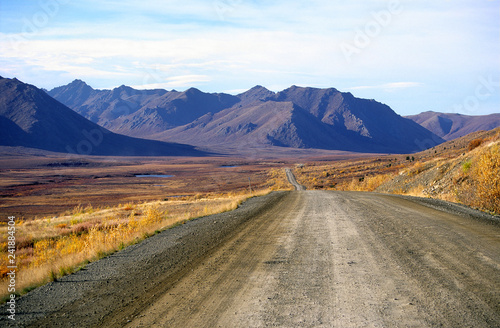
{"x":480,"y":178}
{"x":49,"y":248}
{"x":465,"y":170}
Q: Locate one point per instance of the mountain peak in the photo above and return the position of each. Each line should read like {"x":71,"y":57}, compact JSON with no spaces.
{"x":123,"y":87}
{"x":258,"y":92}
{"x":78,"y":81}
{"x":75,"y":85}
{"x":192,"y":91}
{"x":78,"y":84}
{"x":259,"y":87}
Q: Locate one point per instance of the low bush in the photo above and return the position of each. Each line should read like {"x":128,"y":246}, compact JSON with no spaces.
{"x":475,"y":143}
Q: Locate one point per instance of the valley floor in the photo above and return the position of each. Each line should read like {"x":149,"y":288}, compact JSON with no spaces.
{"x":36,"y":184}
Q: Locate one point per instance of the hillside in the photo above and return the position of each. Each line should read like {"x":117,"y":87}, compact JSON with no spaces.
{"x":451,"y":126}
{"x":296,"y":117}
{"x":465,"y":170}
{"x":31,"y":118}
{"x":471,"y":176}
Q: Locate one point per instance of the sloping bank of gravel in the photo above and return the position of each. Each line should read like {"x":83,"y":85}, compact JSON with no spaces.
{"x":454,"y":208}
{"x":132,"y":276}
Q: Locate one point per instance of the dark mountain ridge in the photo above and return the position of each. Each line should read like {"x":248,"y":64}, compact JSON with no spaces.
{"x":295,"y":117}
{"x":31,"y":118}
{"x":139,"y":112}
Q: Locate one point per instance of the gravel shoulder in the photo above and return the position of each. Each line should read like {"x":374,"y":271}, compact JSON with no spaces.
{"x":294,"y":259}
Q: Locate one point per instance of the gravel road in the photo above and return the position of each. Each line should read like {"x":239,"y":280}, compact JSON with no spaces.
{"x":293,"y":181}
{"x":293,"y":259}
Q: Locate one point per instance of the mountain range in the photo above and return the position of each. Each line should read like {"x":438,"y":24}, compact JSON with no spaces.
{"x":31,"y":118}
{"x":76,"y":118}
{"x":451,"y":126}
{"x":298,"y":117}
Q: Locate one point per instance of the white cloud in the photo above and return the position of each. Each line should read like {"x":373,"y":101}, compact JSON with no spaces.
{"x":389,"y":86}
{"x":174,"y":82}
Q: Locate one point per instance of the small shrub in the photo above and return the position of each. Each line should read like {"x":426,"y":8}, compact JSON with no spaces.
{"x":475,"y":143}
{"x":128,"y":207}
{"x":81,"y":228}
{"x":75,"y":221}
{"x":89,"y":209}
{"x":77,"y":210}
{"x":52,"y":276}
{"x":62,"y":225}
{"x":152,"y":215}
{"x":466,"y":166}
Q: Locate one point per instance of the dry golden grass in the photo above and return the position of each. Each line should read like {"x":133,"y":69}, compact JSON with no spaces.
{"x":418,"y":191}
{"x":363,"y":174}
{"x":486,"y":173}
{"x":369,"y":183}
{"x":277,"y":180}
{"x":481,"y":179}
{"x":49,"y":248}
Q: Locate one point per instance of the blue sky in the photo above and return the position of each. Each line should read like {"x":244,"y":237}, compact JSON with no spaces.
{"x":412,"y":55}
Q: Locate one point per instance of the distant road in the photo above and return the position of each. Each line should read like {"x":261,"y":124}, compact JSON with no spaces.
{"x":293,"y":181}
{"x":294,"y":259}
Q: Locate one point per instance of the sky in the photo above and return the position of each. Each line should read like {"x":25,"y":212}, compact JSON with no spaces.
{"x":413,"y":55}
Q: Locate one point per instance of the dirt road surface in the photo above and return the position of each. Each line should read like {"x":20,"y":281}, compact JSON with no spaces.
{"x":293,"y":259}
{"x":293,"y":181}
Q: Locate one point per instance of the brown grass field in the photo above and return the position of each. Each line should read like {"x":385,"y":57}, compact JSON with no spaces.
{"x":34,"y":188}
{"x":39,"y":184}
